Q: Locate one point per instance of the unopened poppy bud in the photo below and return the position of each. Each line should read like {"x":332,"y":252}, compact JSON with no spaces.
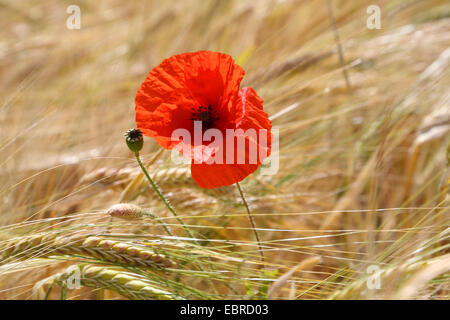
{"x":125,"y":211}
{"x":134,"y":139}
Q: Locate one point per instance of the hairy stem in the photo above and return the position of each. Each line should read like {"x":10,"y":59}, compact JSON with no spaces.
{"x":161,"y":196}
{"x":252,"y":222}
{"x":156,"y":218}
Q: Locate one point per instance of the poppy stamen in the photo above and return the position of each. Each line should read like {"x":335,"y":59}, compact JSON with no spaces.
{"x":206,"y":115}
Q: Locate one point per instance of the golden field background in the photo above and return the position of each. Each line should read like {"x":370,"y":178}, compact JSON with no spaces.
{"x":363,"y":178}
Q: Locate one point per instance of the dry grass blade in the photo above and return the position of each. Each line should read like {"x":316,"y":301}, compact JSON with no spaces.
{"x":421,"y":277}
{"x":281,"y":281}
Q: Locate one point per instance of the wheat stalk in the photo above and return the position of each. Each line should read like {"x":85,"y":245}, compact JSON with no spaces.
{"x":120,"y":280}
{"x":43,"y":245}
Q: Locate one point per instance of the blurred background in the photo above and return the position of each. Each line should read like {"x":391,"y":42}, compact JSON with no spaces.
{"x":363,"y":114}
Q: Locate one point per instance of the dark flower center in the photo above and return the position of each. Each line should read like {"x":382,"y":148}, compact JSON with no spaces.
{"x":207,"y":115}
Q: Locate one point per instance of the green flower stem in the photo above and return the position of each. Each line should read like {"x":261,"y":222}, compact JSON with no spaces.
{"x":161,"y":196}
{"x":252,"y":222}
{"x":171,"y":210}
{"x":166,"y":228}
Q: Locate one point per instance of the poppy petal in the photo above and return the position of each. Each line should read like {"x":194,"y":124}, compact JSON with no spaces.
{"x":250,"y":116}
{"x":162,"y":122}
{"x":218,"y":175}
{"x":183,"y":82}
{"x":212,"y":77}
{"x":171,"y":98}
{"x":163,"y":102}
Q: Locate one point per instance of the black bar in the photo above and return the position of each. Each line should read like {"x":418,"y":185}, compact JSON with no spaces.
{"x":229,"y":309}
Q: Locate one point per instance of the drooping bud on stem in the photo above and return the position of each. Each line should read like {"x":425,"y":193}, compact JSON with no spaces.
{"x":134,"y":140}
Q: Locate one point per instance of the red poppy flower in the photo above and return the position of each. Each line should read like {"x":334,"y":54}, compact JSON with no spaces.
{"x":204,"y":88}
